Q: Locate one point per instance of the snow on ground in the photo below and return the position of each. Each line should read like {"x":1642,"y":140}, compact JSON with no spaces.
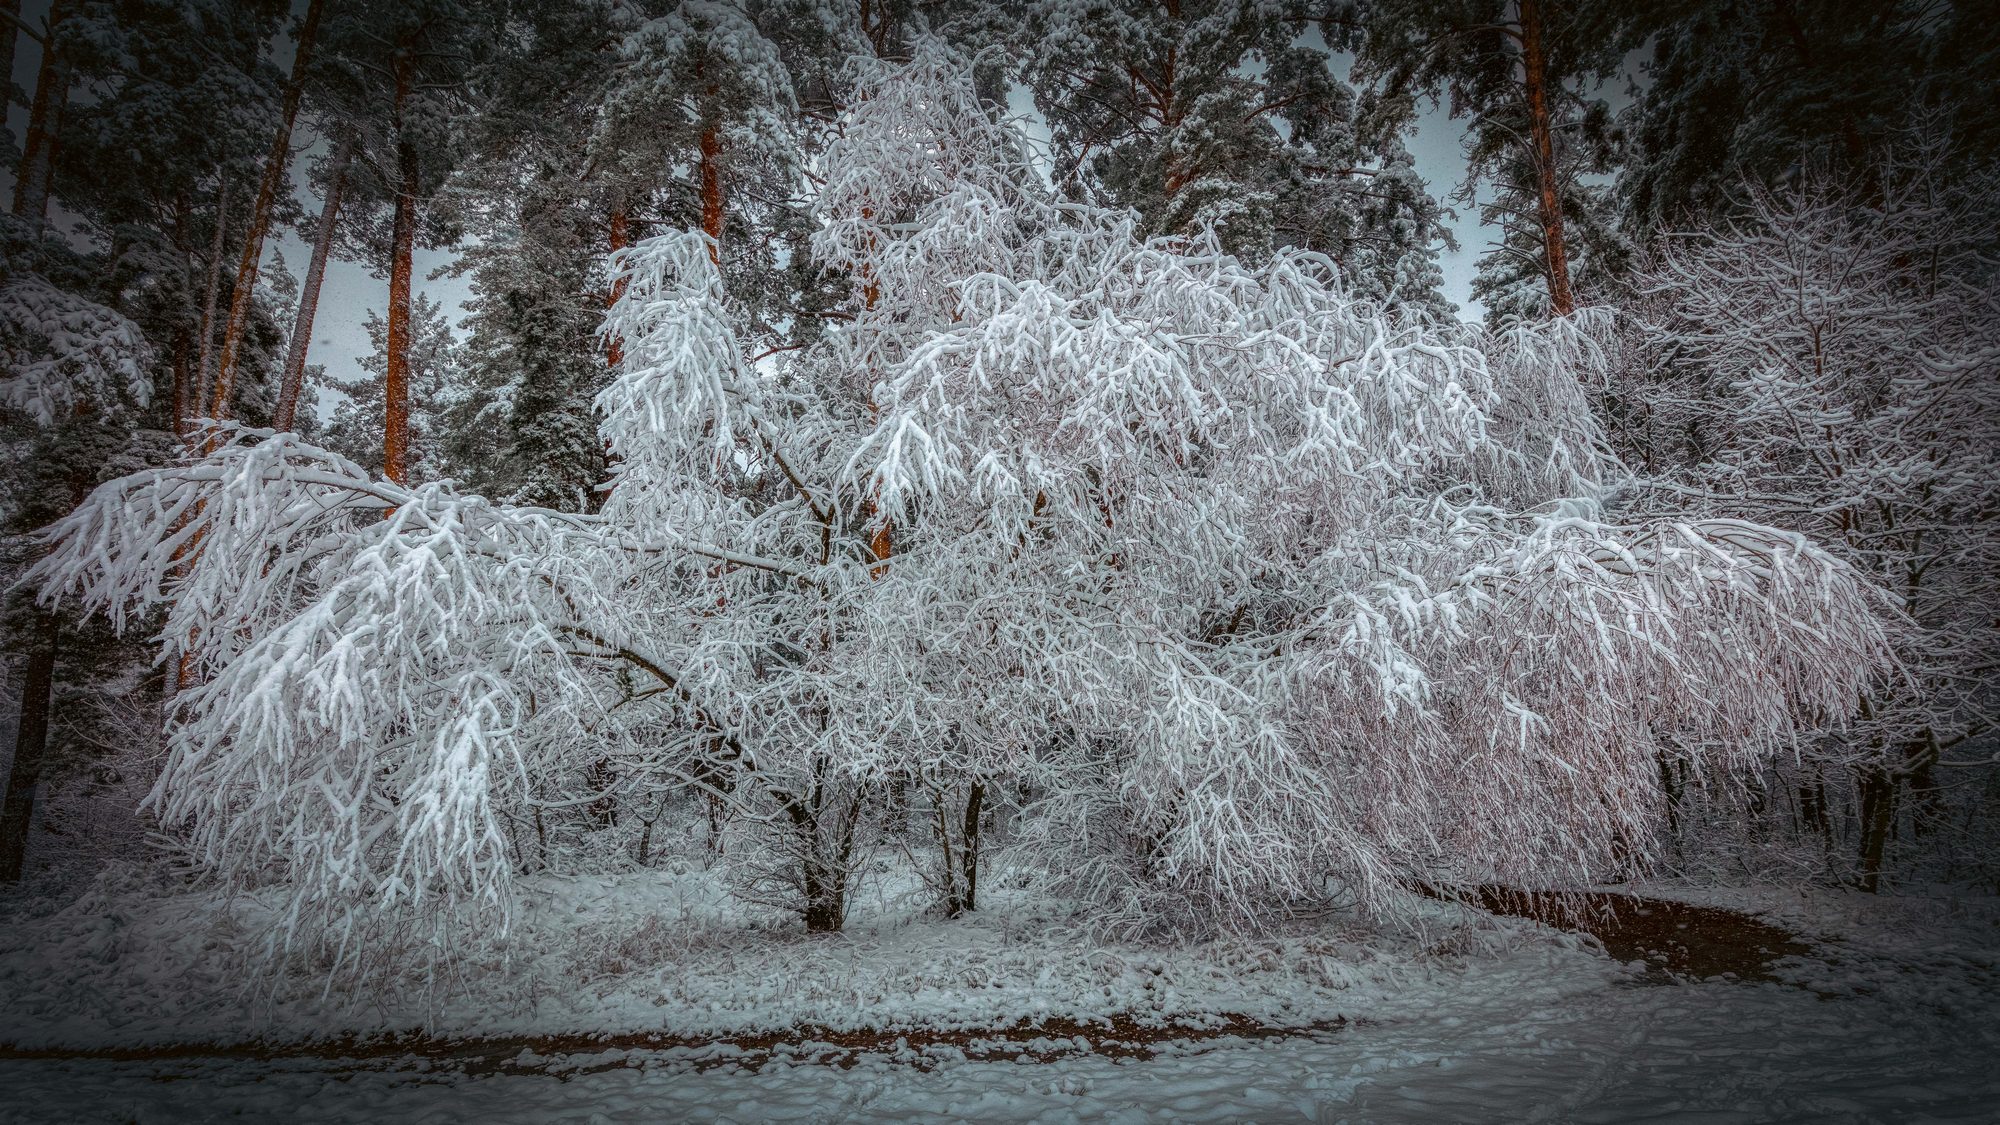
{"x":1479,"y":1051}
{"x":1491,"y":1020}
{"x":132,"y":963}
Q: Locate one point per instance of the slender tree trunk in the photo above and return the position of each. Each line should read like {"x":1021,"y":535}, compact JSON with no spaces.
{"x":1535,"y":77}
{"x":1878,"y":813}
{"x":45,"y":114}
{"x":181,"y":383}
{"x":1813,"y":811}
{"x":1926,"y":806}
{"x":711,"y":190}
{"x":881,"y":544}
{"x":619,"y":235}
{"x":396,"y":375}
{"x":30,"y":744}
{"x":280,"y":157}
{"x":963,"y":894}
{"x":824,"y":864}
{"x":10,"y":29}
{"x":293,"y":381}
{"x":207,"y":350}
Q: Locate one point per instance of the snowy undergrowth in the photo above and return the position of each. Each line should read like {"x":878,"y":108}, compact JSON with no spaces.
{"x":134,"y":961}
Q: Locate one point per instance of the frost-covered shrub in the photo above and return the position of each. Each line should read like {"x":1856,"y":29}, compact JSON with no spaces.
{"x":1829,"y":363}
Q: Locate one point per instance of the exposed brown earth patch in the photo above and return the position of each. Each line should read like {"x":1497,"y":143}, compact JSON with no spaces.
{"x":1120,"y":1037}
{"x":1677,"y":939}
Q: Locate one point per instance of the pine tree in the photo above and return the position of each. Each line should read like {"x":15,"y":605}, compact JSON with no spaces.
{"x":149,"y":122}
{"x":600,"y":127}
{"x":76,"y":378}
{"x":436,"y":385}
{"x":1759,"y":90}
{"x":274,"y":177}
{"x":1227,"y":113}
{"x":175,"y":107}
{"x":1524,"y":74}
{"x":401,"y":65}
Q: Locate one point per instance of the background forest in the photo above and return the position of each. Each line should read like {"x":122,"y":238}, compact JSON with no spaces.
{"x":834,"y":463}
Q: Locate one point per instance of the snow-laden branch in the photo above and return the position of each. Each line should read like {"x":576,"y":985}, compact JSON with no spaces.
{"x":60,"y":354}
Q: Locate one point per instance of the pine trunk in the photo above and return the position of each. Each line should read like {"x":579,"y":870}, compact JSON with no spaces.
{"x":293,"y":381}
{"x":214,"y":289}
{"x":620,"y":236}
{"x":396,"y":375}
{"x":45,"y":113}
{"x":181,"y":383}
{"x":711,"y":191}
{"x":1541,"y":135}
{"x":280,"y":157}
{"x":10,"y":15}
{"x":30,"y":744}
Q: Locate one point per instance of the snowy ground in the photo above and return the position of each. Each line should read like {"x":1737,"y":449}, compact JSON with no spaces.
{"x":1710,"y":1052}
{"x":1899,"y":1021}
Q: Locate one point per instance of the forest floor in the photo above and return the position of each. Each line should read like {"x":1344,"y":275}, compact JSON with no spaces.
{"x":1820,"y":1007}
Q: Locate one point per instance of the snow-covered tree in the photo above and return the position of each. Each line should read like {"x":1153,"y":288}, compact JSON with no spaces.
{"x":74,"y":379}
{"x":157,"y":153}
{"x":1830,"y":363}
{"x":1252,"y":593}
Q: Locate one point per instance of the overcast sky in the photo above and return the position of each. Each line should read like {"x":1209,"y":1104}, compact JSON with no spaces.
{"x":351,"y":290}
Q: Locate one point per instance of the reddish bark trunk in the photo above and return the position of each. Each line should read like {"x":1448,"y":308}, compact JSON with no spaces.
{"x":181,"y":383}
{"x":45,"y":113}
{"x":293,"y":379}
{"x":30,"y":744}
{"x":396,"y":375}
{"x":620,"y":236}
{"x":881,"y":544}
{"x":10,"y":28}
{"x":711,"y":190}
{"x":207,"y":351}
{"x":275,"y":164}
{"x":1534,"y":66}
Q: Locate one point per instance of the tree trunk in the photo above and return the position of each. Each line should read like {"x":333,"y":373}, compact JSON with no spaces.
{"x":181,"y":383}
{"x":1878,"y":813}
{"x":293,"y":380}
{"x":30,"y":744}
{"x":600,"y":776}
{"x":962,"y":878}
{"x":207,"y":350}
{"x":1670,"y":788}
{"x":280,"y":158}
{"x":620,"y":236}
{"x":826,"y":903}
{"x":711,"y":190}
{"x":396,"y":374}
{"x":1540,"y":134}
{"x":10,"y":16}
{"x":824,"y":864}
{"x":1813,"y":811}
{"x":45,"y":114}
